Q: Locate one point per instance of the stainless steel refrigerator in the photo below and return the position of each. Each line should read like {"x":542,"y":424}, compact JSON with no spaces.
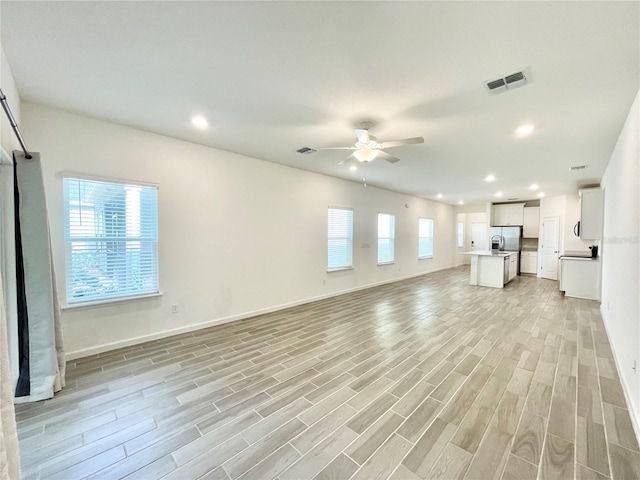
{"x":511,"y":239}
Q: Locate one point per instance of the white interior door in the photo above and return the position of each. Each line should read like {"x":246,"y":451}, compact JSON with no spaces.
{"x":478,"y":236}
{"x":550,"y":247}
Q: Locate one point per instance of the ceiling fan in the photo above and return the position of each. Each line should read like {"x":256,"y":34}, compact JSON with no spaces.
{"x":367,"y":147}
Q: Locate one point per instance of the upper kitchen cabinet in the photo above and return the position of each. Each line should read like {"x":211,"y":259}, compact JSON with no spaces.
{"x":591,"y":213}
{"x":508,"y":214}
{"x":531,"y":225}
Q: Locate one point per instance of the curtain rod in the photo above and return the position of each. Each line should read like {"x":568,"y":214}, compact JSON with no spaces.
{"x":14,"y":125}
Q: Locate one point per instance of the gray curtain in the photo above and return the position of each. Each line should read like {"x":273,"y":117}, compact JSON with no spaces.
{"x":41,"y":348}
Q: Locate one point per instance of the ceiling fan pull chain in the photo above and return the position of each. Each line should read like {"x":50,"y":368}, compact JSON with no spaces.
{"x":364,"y":174}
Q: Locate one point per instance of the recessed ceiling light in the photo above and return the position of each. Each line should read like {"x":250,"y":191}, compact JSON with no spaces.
{"x":489,"y":178}
{"x":524,"y":130}
{"x":439,"y":195}
{"x":460,"y":202}
{"x":540,"y":195}
{"x":534,"y":186}
{"x":199,"y":121}
{"x":498,"y":194}
{"x":353,"y":168}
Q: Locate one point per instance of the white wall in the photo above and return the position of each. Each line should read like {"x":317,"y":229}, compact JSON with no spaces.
{"x":7,"y":139}
{"x":621,"y":256}
{"x":237,"y":235}
{"x":8,"y":143}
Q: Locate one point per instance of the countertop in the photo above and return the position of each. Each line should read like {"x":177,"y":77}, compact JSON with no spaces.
{"x":580,"y":259}
{"x":578,"y":255}
{"x":488,"y":253}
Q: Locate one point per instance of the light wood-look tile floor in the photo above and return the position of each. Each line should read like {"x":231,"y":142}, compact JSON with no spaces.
{"x":426,"y":378}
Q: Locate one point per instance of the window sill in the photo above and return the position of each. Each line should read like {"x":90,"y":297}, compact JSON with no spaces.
{"x":428,"y":257}
{"x":385,"y":263}
{"x":339,"y":269}
{"x":109,"y":301}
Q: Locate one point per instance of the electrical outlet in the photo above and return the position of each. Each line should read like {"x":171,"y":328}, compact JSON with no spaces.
{"x":174,"y":308}
{"x":324,"y":282}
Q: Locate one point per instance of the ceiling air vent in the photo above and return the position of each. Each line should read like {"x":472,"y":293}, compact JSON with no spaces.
{"x":578,"y":167}
{"x":508,"y":82}
{"x":499,"y":85}
{"x":306,"y":150}
{"x":515,"y":79}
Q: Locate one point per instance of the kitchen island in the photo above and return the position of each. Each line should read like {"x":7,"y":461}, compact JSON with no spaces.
{"x":492,"y":269}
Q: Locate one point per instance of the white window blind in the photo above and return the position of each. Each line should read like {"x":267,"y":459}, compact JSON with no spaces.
{"x":425,"y":238}
{"x":111,"y":240}
{"x":460,"y":234}
{"x":386,"y":233}
{"x":340,"y":239}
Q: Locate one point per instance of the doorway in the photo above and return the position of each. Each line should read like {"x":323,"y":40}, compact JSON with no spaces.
{"x":550,"y":247}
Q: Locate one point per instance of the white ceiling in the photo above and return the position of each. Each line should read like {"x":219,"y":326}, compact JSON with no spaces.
{"x":272,"y":77}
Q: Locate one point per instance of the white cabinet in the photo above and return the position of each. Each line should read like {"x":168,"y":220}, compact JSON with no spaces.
{"x":591,"y":213}
{"x":508,"y":214}
{"x":500,"y":214}
{"x":580,"y":277}
{"x":513,"y":266}
{"x":529,"y":262}
{"x":531,"y":225}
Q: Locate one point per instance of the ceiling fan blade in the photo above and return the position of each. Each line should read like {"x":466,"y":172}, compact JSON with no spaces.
{"x":406,"y":141}
{"x":334,"y":148}
{"x":387,"y":157}
{"x":347,"y":160}
{"x":363,"y":135}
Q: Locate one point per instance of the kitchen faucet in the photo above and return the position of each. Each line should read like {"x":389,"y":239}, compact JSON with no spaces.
{"x":499,"y":242}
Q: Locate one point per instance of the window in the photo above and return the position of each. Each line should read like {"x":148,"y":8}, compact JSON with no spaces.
{"x":425,"y":238}
{"x":111,"y":240}
{"x":460,"y":234}
{"x":340,"y":239}
{"x":386,"y":232}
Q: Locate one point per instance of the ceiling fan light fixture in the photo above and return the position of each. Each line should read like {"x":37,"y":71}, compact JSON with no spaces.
{"x":365,"y":154}
{"x":524,"y":130}
{"x":200,"y":122}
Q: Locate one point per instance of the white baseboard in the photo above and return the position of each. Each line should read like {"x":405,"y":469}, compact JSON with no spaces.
{"x":632,"y":410}
{"x":231,"y":318}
